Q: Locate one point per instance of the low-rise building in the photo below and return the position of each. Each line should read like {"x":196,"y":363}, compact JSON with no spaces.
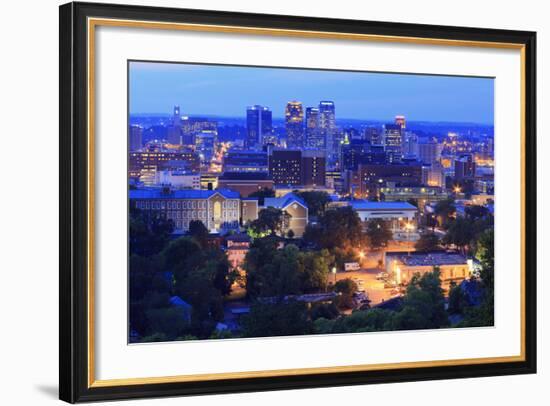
{"x":404,"y":265}
{"x":178,"y":179}
{"x":219,"y":210}
{"x":400,"y":215}
{"x":295,"y":207}
{"x":237,"y":248}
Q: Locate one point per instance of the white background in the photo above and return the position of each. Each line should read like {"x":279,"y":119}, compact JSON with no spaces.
{"x":28,"y":203}
{"x":115,"y":359}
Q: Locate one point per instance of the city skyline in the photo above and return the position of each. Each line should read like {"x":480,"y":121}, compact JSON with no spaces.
{"x":156,"y":87}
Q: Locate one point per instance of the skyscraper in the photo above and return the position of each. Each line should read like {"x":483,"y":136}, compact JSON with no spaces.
{"x":374,"y":136}
{"x":392,"y":142}
{"x":294,"y":119}
{"x":429,"y":152}
{"x":465,"y":167}
{"x":135,"y":136}
{"x":400,"y":121}
{"x":176,"y":119}
{"x":258,"y":125}
{"x":327,"y":125}
{"x":314,"y":138}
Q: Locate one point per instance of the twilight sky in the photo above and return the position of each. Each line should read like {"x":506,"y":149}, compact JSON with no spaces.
{"x":228,"y":90}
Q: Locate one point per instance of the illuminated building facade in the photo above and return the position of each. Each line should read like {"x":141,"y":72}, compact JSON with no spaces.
{"x":219,"y":210}
{"x":393,"y":143}
{"x":135,"y":135}
{"x":258,"y":125}
{"x":294,"y":124}
{"x":314,"y":137}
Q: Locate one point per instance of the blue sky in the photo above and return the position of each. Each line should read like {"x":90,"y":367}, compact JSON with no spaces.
{"x":227,"y":90}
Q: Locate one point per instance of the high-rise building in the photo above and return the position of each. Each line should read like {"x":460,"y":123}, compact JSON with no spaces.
{"x":294,"y":119}
{"x":293,"y":167}
{"x":429,"y":152}
{"x":372,"y":177}
{"x":400,"y":121}
{"x":410,"y":144}
{"x":353,"y":154}
{"x":314,"y":138}
{"x":393,"y":142}
{"x":313,"y":168}
{"x":258,"y":125}
{"x":327,"y":125}
{"x":135,"y":137}
{"x":374,"y":136}
{"x":176,"y":119}
{"x":285,"y":166}
{"x":465,"y":167}
{"x":205,"y":143}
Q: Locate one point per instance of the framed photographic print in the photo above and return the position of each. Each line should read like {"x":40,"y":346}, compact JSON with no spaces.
{"x":257,"y":202}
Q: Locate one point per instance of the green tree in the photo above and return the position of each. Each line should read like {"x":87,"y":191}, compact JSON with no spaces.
{"x":276,"y":319}
{"x":423,"y":304}
{"x":460,"y":233}
{"x":378,"y":233}
{"x":149,"y":232}
{"x":199,"y":232}
{"x":445,"y":211}
{"x":346,"y":288}
{"x":484,"y":315}
{"x":270,"y":221}
{"x":314,"y":268}
{"x":427,"y":242}
{"x":339,"y":227}
{"x":457,"y":299}
{"x":316,"y":201}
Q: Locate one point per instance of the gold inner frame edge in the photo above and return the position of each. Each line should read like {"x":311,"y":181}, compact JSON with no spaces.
{"x":94,"y":22}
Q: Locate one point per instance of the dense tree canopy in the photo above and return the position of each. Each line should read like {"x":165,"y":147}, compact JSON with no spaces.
{"x":337,"y":228}
{"x":427,"y":242}
{"x":262,"y":194}
{"x":149,"y":232}
{"x":378,"y":233}
{"x":270,"y":221}
{"x":316,"y":201}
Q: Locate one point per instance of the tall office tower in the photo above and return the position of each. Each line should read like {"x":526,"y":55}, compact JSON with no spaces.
{"x":313,"y":167}
{"x":327,"y":125}
{"x":258,"y":125}
{"x":285,"y":166}
{"x":392,"y":142}
{"x":410,"y":144}
{"x":465,"y":167}
{"x":176,"y":120}
{"x":429,"y":152}
{"x":400,"y":121}
{"x":294,"y":119}
{"x":205,"y":143}
{"x":136,"y":137}
{"x":314,"y":138}
{"x":354,"y":153}
{"x":374,"y":136}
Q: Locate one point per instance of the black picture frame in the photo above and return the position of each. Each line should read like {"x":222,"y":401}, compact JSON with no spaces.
{"x":74,"y":200}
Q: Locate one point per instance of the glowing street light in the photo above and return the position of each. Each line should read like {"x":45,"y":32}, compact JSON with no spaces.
{"x":457,"y":189}
{"x":334,"y":273}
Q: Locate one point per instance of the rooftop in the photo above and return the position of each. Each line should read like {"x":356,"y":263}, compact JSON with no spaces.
{"x":283,"y":201}
{"x":245,"y":176}
{"x":427,"y":258}
{"x":366,"y":205}
{"x":158,"y":193}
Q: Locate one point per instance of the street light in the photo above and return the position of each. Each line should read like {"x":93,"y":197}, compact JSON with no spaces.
{"x":334,"y":273}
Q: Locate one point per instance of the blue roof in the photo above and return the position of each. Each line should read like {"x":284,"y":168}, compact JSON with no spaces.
{"x":366,"y":205}
{"x":178,"y":301}
{"x":181,"y":194}
{"x":283,"y":201}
